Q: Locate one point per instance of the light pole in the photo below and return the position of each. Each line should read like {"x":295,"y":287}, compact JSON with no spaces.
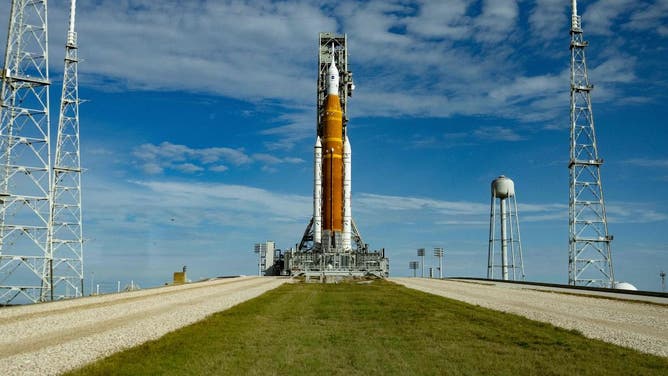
{"x":420,"y":253}
{"x":413,"y":265}
{"x":438,"y":252}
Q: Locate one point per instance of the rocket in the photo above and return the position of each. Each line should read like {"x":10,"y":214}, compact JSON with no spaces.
{"x":332,"y":171}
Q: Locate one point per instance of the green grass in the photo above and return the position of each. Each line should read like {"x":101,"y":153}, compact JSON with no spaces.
{"x":377,"y":328}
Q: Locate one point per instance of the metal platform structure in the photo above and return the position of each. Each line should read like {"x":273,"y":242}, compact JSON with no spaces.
{"x":66,"y":217}
{"x":589,"y":254}
{"x":25,"y":158}
{"x":317,"y":255}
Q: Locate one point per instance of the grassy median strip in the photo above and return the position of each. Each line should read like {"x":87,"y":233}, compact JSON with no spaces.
{"x":376,"y":328}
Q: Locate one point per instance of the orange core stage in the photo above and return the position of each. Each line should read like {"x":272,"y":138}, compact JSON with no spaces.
{"x":332,"y":165}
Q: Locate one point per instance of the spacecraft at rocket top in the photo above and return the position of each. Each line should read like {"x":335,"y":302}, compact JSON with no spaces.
{"x":332,"y":182}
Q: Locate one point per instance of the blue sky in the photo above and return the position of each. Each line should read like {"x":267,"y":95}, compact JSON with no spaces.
{"x":198,"y":134}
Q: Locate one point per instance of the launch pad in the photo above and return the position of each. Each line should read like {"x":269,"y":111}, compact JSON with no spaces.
{"x":332,"y":247}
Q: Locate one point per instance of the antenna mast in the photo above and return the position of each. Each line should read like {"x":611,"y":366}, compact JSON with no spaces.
{"x":25,"y":160}
{"x":66,"y":218}
{"x":589,"y":255}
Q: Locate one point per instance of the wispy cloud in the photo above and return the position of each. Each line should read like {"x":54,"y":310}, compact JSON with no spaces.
{"x":476,"y":136}
{"x":547,"y":18}
{"x":497,"y":134}
{"x":645,"y":162}
{"x":155,"y":159}
{"x":437,"y":19}
{"x":497,"y":21}
{"x":651,"y":17}
{"x":600,"y":16}
{"x":632,"y":212}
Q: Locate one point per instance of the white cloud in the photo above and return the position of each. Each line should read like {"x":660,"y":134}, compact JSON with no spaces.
{"x":645,"y":162}
{"x":188,"y":168}
{"x":497,"y":134}
{"x":152,"y":168}
{"x":273,"y":160}
{"x":436,"y":19}
{"x":497,"y":21}
{"x":219,"y":168}
{"x":599,"y":18}
{"x":616,"y":70}
{"x":652,"y":17}
{"x":547,"y":19}
{"x":630,"y":212}
{"x":155,"y":159}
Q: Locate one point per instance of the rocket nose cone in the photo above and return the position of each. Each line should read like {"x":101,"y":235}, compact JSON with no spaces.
{"x":318,"y":144}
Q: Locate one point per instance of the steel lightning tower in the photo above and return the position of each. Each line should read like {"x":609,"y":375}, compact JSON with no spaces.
{"x":589,"y":256}
{"x":25,"y":160}
{"x":66,"y":218}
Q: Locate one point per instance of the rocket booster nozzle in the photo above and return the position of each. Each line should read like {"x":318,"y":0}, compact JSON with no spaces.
{"x":333,"y":77}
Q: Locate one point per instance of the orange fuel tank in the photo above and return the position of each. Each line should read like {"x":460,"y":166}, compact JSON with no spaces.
{"x":332,"y":165}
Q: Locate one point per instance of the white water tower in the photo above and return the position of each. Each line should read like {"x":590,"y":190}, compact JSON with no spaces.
{"x":508,"y":263}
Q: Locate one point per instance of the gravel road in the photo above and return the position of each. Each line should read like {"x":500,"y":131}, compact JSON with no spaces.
{"x":640,"y":326}
{"x":50,"y":338}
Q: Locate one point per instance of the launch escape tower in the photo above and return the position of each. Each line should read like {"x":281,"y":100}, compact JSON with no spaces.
{"x":66,"y":218}
{"x":589,"y":256}
{"x":25,"y":160}
{"x":332,"y":244}
{"x":508,"y":234}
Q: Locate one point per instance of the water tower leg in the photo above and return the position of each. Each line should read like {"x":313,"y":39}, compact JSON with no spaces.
{"x":504,"y":240}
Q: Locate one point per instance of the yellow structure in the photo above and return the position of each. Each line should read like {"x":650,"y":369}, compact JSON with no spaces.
{"x":179,"y":278}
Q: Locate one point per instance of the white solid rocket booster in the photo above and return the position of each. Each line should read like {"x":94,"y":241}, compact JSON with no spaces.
{"x":317,"y":191}
{"x":347,"y":187}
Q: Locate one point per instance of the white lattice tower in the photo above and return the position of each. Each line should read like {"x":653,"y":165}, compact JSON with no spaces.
{"x":25,"y":167}
{"x":589,"y":255}
{"x":66,"y":217}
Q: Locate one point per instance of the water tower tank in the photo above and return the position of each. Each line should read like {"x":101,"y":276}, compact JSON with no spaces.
{"x":503,"y":187}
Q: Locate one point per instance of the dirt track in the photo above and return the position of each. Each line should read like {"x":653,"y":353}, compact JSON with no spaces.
{"x":51,"y":338}
{"x":640,"y":326}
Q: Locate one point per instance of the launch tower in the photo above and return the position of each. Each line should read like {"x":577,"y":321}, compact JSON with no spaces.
{"x":589,"y":256}
{"x":66,"y":219}
{"x":25,"y":160}
{"x":332,"y":244}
